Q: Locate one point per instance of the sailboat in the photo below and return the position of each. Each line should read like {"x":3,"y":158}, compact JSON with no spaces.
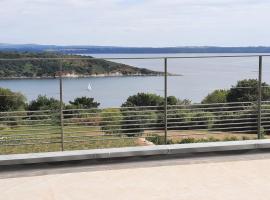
{"x":89,"y":88}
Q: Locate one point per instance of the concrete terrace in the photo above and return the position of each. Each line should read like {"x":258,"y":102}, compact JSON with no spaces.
{"x":232,"y":176}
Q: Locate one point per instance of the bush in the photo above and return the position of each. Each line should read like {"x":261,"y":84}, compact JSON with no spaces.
{"x":144,"y":99}
{"x":200,"y":140}
{"x":44,"y":103}
{"x":111,"y":121}
{"x":202,"y":120}
{"x":11,"y":101}
{"x":246,"y":91}
{"x":134,"y":123}
{"x":158,"y":139}
{"x":218,"y":96}
{"x":84,"y":103}
{"x":178,"y":119}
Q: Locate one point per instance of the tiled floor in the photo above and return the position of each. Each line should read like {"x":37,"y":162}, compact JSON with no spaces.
{"x":226,"y":179}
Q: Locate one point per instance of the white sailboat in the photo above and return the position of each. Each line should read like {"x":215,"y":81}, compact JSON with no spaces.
{"x":89,"y":88}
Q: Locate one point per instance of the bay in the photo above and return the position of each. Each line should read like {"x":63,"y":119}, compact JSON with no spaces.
{"x":199,"y":77}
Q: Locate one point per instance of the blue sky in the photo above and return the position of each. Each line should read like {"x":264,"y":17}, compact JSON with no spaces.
{"x":136,"y":22}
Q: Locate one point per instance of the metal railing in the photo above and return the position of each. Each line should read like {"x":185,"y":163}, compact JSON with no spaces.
{"x":65,"y":127}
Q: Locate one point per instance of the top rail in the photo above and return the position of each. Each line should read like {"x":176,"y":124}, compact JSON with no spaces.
{"x":137,"y":58}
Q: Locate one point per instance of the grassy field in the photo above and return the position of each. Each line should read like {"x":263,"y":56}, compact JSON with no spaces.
{"x":48,"y":138}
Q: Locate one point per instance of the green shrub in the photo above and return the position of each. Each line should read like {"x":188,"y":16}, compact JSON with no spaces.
{"x":158,"y":139}
{"x":134,"y":123}
{"x":202,"y":120}
{"x":111,"y":120}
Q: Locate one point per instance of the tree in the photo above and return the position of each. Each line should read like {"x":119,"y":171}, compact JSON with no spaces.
{"x":217,"y":96}
{"x":11,"y":101}
{"x":137,"y":119}
{"x":84,"y":103}
{"x":148,"y":99}
{"x":143,"y":99}
{"x":246,"y":91}
{"x":172,"y":100}
{"x":44,"y":103}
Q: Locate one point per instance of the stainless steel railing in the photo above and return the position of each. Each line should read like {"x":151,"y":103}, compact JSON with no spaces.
{"x":69,"y":126}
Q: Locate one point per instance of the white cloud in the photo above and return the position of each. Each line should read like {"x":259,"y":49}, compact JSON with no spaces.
{"x":136,"y":22}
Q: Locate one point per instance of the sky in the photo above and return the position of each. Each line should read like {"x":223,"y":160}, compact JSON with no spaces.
{"x":152,"y":23}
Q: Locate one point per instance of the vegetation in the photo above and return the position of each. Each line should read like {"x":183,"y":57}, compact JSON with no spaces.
{"x":84,"y":103}
{"x":141,"y":115}
{"x":145,"y":117}
{"x":159,"y":140}
{"x":218,"y":96}
{"x":80,"y":66}
{"x":10,"y":101}
{"x":44,"y":103}
{"x":244,"y":91}
{"x":247,"y":90}
{"x":144,"y":99}
{"x":111,"y":121}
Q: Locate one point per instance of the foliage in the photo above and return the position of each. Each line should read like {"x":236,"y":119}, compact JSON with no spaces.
{"x":11,"y":101}
{"x":134,"y":123}
{"x":84,"y":103}
{"x":247,"y":90}
{"x":178,"y":118}
{"x":44,"y":103}
{"x":158,"y":139}
{"x":138,"y":119}
{"x":144,"y":99}
{"x":217,"y":96}
{"x":149,"y":99}
{"x":111,"y":121}
{"x":50,"y":68}
{"x":202,"y":120}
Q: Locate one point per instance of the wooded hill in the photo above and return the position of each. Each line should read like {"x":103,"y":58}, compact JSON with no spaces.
{"x":42,"y":68}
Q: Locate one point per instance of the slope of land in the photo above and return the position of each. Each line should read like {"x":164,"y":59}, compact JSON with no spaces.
{"x":80,"y":66}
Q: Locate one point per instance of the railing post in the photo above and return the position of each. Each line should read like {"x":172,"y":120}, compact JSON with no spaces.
{"x":165,"y":98}
{"x":61,"y":105}
{"x":259,"y":99}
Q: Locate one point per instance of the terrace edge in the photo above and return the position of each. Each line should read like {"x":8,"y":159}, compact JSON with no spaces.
{"x":163,"y":151}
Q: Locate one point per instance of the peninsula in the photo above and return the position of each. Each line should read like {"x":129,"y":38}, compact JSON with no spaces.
{"x":47,"y":65}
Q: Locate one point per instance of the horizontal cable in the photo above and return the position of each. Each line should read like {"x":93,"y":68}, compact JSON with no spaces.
{"x":108,"y":117}
{"x":217,"y":112}
{"x":118,"y":125}
{"x":26,"y":116}
{"x":211,"y":129}
{"x":207,"y":121}
{"x":30,"y":130}
{"x":101,"y":122}
{"x":97,"y":109}
{"x":27,"y":139}
{"x":34,"y":144}
{"x":204,"y":116}
{"x":28,"y":125}
{"x":211,"y":108}
{"x":211,"y":104}
{"x":27,"y":134}
{"x":26,"y":111}
{"x":119,"y":113}
{"x":34,"y":120}
{"x":132,"y":129}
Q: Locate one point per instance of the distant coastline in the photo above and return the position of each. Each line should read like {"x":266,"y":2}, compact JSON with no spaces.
{"x":86,"y":76}
{"x":88,"y":49}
